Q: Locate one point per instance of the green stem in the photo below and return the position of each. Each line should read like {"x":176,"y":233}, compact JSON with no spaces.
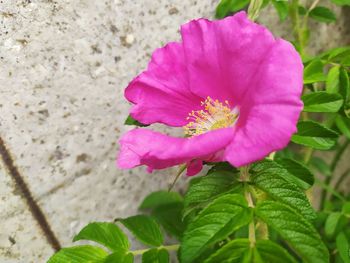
{"x":169,"y":248}
{"x":248,"y":196}
{"x":181,"y":170}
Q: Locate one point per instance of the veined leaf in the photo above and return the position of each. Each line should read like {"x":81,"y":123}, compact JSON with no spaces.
{"x":267,"y":175}
{"x":214,"y":223}
{"x":119,"y":257}
{"x":322,"y":102}
{"x":107,"y":234}
{"x":79,"y":254}
{"x":155,"y":256}
{"x":295,"y":229}
{"x":145,"y":229}
{"x":323,"y":14}
{"x":314,"y":135}
{"x":313,"y":72}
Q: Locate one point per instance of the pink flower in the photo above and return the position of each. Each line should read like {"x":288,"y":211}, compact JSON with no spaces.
{"x":233,"y":87}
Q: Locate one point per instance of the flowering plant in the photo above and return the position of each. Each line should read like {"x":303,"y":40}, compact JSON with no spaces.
{"x":241,"y":96}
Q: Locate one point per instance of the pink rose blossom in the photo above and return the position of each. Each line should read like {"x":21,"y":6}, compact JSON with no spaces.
{"x":233,"y":87}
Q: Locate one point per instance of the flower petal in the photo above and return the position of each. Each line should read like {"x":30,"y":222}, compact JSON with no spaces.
{"x":161,"y":93}
{"x":158,"y":151}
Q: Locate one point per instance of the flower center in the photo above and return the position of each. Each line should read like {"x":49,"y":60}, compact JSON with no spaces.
{"x":215,"y":115}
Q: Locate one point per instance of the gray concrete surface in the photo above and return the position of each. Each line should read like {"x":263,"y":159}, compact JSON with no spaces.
{"x":64,"y":65}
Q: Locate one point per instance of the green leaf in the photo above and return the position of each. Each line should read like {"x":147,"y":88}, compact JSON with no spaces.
{"x":282,"y":9}
{"x":131,"y":121}
{"x":155,"y":256}
{"x":343,"y":125}
{"x":120,"y":257}
{"x":332,"y":84}
{"x":344,"y":90}
{"x":323,"y":14}
{"x":322,"y":102}
{"x":204,"y":189}
{"x":334,"y":223}
{"x":270,"y":177}
{"x":170,"y":217}
{"x":160,"y":198}
{"x":341,"y":2}
{"x":226,"y":7}
{"x":214,"y":223}
{"x":313,"y":72}
{"x":233,"y":252}
{"x":343,"y":247}
{"x":346,"y":209}
{"x":301,"y":175}
{"x":313,"y":134}
{"x":107,"y":234}
{"x":79,"y":254}
{"x":145,"y":229}
{"x":270,"y":252}
{"x":295,"y":229}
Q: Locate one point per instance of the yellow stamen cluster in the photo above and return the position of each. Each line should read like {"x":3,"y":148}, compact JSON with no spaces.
{"x":215,"y":115}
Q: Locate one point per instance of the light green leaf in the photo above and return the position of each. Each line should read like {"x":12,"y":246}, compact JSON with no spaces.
{"x":120,"y":257}
{"x":323,"y":14}
{"x":335,"y":221}
{"x":233,"y":252}
{"x":155,"y":256}
{"x":282,"y":9}
{"x":313,"y":134}
{"x":341,"y":2}
{"x":343,"y":125}
{"x":270,"y":177}
{"x":204,"y":189}
{"x":332,"y":84}
{"x":145,"y":229}
{"x":107,"y":234}
{"x":295,"y":229}
{"x":131,"y":121}
{"x":343,"y":247}
{"x":299,"y":173}
{"x":270,"y":252}
{"x":79,"y":254}
{"x":214,"y":223}
{"x":346,"y":209}
{"x":226,"y":7}
{"x":313,"y":72}
{"x":322,"y":102}
{"x":160,"y":198}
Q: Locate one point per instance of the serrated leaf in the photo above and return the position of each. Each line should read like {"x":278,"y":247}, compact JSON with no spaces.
{"x":145,"y":229}
{"x":301,"y":175}
{"x":204,"y":189}
{"x":313,"y":134}
{"x":267,"y":176}
{"x":226,"y":7}
{"x":343,"y":247}
{"x":155,"y":256}
{"x":295,"y":229}
{"x":282,"y":9}
{"x":119,"y":257}
{"x":232,"y":252}
{"x":131,"y":121}
{"x":270,"y":252}
{"x":160,"y":198}
{"x":313,"y":72}
{"x":107,"y":234}
{"x":341,"y":2}
{"x":219,"y":219}
{"x":343,"y":124}
{"x":323,"y":14}
{"x":79,"y":254}
{"x":322,"y":102}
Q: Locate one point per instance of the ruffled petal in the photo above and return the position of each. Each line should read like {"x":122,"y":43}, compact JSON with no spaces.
{"x":161,"y":93}
{"x":158,"y":151}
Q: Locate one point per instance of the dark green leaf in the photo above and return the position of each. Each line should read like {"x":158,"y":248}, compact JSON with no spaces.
{"x":79,"y":254}
{"x":270,"y":177}
{"x":145,"y":229}
{"x":155,"y":256}
{"x":301,"y":175}
{"x":226,"y":7}
{"x":131,"y":121}
{"x":341,"y":2}
{"x":214,"y":223}
{"x":322,"y":102}
{"x":343,"y":247}
{"x":160,"y":198}
{"x":344,"y":90}
{"x":204,"y":189}
{"x":313,"y":134}
{"x":233,"y":252}
{"x":323,"y":14}
{"x":313,"y":72}
{"x":282,"y":8}
{"x":295,"y":229}
{"x":107,"y":234}
{"x":119,"y":257}
{"x":343,"y":125}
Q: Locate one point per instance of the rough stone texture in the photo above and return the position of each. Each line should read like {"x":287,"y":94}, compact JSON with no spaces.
{"x":64,"y":65}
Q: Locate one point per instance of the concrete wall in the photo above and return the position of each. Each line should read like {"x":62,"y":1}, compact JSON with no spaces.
{"x":64,"y":65}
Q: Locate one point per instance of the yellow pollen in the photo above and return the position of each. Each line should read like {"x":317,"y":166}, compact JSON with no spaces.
{"x":215,"y":115}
